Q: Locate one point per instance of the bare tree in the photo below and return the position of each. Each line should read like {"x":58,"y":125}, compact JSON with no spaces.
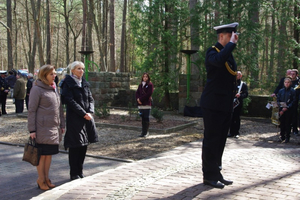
{"x":9,"y":36}
{"x":112,"y":35}
{"x":48,"y":48}
{"x":194,"y":36}
{"x":37,"y":28}
{"x":123,"y":39}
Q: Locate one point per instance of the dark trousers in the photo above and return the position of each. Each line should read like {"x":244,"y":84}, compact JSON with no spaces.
{"x":295,"y":120}
{"x":27,"y":101}
{"x":285,"y":124}
{"x":3,"y":103}
{"x":216,"y":126}
{"x":19,"y":103}
{"x":76,"y":160}
{"x":145,"y":114}
{"x":236,"y":120}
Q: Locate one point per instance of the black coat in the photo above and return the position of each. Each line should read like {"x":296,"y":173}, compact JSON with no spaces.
{"x":79,"y":101}
{"x":220,"y":87}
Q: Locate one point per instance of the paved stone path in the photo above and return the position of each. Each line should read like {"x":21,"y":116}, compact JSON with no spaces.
{"x":259,"y":170}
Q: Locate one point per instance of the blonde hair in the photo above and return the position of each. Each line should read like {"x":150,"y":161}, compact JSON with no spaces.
{"x":44,"y":71}
{"x":74,"y":64}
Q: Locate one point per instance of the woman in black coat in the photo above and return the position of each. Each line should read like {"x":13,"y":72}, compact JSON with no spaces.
{"x":81,"y":129}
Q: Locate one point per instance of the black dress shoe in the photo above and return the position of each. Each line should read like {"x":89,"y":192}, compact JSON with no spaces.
{"x":230,"y":135}
{"x":74,"y":177}
{"x":226,"y":182}
{"x":81,"y":175}
{"x":214,"y":184}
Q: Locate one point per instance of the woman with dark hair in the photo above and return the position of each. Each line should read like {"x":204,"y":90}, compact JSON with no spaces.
{"x":143,"y":97}
{"x":81,"y":129}
{"x":45,"y":121}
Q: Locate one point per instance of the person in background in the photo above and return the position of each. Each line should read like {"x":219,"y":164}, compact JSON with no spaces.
{"x":295,"y":83}
{"x":19,"y":93}
{"x":236,"y":116}
{"x":143,"y":97}
{"x":217,"y":103}
{"x":46,"y":122}
{"x":286,"y":99}
{"x":81,"y":129}
{"x":4,"y":89}
{"x":281,"y":85}
{"x":11,"y":79}
{"x":28,"y":88}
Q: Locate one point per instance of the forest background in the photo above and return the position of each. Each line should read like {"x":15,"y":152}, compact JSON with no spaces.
{"x":138,"y":36}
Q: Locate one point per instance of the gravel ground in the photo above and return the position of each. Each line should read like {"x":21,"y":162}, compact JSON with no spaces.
{"x":125,"y":144}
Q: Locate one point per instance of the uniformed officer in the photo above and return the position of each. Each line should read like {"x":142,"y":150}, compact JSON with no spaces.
{"x":217,"y":103}
{"x":4,"y":89}
{"x":236,"y":116}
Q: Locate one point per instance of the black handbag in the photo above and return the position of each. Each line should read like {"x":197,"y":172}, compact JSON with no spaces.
{"x":32,"y":153}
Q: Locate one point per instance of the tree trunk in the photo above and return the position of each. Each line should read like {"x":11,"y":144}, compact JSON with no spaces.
{"x":296,"y":35}
{"x":195,"y":43}
{"x":272,"y":44}
{"x":166,"y":67}
{"x":112,"y":35}
{"x":36,"y":17}
{"x":16,"y":34}
{"x":123,"y":39}
{"x":66,"y":16}
{"x":48,"y":23}
{"x":10,"y":63}
{"x":84,"y":35}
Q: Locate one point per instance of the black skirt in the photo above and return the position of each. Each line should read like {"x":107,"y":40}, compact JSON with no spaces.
{"x":48,"y":149}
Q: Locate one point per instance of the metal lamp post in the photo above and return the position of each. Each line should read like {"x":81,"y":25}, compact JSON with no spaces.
{"x":188,"y":53}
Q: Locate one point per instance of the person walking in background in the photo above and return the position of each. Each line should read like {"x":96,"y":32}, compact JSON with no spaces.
{"x":11,"y":79}
{"x":46,"y":122}
{"x":237,"y":111}
{"x":217,"y":103}
{"x":19,"y":93}
{"x":4,"y":89}
{"x":286,"y":99}
{"x":81,"y":129}
{"x":143,"y":97}
{"x":28,"y":88}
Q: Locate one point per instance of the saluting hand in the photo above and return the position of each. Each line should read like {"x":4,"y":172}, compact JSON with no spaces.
{"x":234,"y":37}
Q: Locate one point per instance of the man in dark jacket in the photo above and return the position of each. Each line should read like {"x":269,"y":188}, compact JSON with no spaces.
{"x":11,"y":80}
{"x":19,"y":93}
{"x":4,"y":89}
{"x":236,"y":116}
{"x":28,"y":88}
{"x":217,"y":103}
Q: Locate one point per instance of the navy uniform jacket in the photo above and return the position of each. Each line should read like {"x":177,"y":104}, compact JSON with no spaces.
{"x":220,"y":87}
{"x":3,"y":86}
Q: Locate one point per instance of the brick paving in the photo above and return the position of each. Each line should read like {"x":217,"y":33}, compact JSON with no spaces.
{"x":259,"y":169}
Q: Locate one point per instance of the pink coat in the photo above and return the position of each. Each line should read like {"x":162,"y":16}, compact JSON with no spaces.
{"x":45,"y":113}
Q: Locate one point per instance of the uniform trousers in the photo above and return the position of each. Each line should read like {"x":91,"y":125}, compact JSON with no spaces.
{"x":3,"y":103}
{"x":216,"y":126}
{"x":236,"y":120}
{"x":76,"y":160}
{"x":295,"y":119}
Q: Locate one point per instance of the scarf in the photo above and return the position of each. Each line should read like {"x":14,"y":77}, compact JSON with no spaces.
{"x":77,"y":79}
